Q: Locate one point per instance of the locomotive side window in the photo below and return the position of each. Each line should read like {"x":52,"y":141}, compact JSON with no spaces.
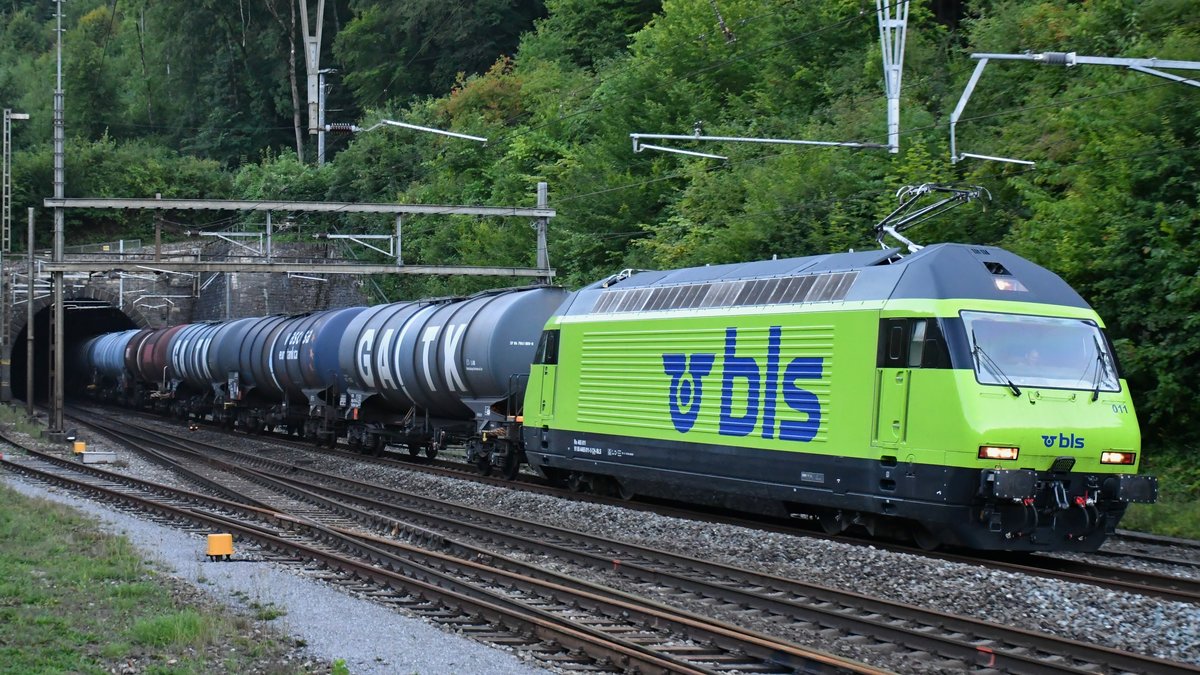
{"x":934,"y":352}
{"x":891,"y":343}
{"x":547,"y":350}
{"x":916,"y":345}
{"x":912,"y":343}
{"x":895,"y":343}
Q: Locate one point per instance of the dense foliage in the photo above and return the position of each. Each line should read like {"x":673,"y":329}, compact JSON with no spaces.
{"x":200,"y":99}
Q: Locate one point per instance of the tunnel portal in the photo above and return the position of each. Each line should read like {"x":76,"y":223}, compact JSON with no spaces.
{"x":82,"y":319}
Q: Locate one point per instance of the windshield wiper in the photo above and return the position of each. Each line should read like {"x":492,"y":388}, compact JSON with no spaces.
{"x":992,"y":365}
{"x":1101,"y":369}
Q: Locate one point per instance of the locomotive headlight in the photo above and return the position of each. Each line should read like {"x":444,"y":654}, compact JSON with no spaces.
{"x":1008,"y":284}
{"x":1115,"y":457}
{"x":998,"y":452}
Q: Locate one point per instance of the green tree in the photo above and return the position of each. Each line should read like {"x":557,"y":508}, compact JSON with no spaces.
{"x":397,"y":51}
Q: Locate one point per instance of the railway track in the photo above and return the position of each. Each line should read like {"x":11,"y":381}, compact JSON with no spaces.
{"x":1114,"y":575}
{"x":1154,"y":549}
{"x":934,"y":638}
{"x":1079,"y":569}
{"x":588,"y":629}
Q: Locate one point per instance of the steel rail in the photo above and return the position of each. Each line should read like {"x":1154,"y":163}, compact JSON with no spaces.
{"x":1113,"y":577}
{"x":496,"y":607}
{"x":732,"y":640}
{"x":1012,"y":649}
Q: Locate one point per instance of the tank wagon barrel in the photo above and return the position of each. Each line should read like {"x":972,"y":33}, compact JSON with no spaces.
{"x":413,"y":373}
{"x":189,"y":354}
{"x":106,"y":354}
{"x":153,"y":360}
{"x":447,"y":358}
{"x":304,"y":359}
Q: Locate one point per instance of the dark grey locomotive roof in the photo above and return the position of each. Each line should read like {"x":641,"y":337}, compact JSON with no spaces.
{"x":941,"y":271}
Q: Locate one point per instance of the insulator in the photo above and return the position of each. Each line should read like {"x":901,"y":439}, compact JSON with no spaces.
{"x":1058,"y":58}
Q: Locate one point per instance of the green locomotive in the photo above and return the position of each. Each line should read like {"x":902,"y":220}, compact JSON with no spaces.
{"x":961,"y":394}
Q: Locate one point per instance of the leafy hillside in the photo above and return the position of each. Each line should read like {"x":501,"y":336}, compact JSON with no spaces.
{"x":196,"y":99}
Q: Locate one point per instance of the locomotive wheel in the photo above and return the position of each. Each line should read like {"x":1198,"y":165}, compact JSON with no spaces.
{"x":576,"y":483}
{"x":833,"y":522}
{"x":623,"y":490}
{"x":925,"y":538}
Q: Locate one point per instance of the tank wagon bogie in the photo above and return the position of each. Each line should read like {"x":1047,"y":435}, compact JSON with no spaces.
{"x":959,"y":395}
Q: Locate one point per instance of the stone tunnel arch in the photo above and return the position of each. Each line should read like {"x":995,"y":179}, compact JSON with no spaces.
{"x":78,"y":325}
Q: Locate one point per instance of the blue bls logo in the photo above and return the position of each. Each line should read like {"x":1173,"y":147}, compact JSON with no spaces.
{"x":763,"y":391}
{"x":1071,"y":442}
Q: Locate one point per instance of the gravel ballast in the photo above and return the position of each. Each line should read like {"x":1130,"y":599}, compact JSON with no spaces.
{"x":1129,"y":622}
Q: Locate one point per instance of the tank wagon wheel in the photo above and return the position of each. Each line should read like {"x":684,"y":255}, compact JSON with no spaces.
{"x":624,"y":491}
{"x":512,"y":466}
{"x":484,"y":464}
{"x":414,"y":450}
{"x":374,"y":445}
{"x":438,"y":444}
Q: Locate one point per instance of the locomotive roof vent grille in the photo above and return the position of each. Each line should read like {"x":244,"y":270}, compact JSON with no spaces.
{"x":831,"y":287}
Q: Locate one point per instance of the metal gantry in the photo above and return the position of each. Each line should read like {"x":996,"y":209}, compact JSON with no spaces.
{"x":403,"y":125}
{"x":540,"y":215}
{"x":893,"y":29}
{"x":1067,"y":59}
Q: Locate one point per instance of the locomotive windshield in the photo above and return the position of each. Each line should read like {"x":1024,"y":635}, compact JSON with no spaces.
{"x":1039,"y":351}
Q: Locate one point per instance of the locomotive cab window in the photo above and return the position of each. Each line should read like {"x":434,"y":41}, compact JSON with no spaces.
{"x":547,"y":350}
{"x":912,"y":343}
{"x":1040,"y":351}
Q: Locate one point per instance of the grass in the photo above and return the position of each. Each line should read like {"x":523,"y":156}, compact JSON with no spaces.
{"x":266,"y":612}
{"x":13,"y":417}
{"x":73,"y":599}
